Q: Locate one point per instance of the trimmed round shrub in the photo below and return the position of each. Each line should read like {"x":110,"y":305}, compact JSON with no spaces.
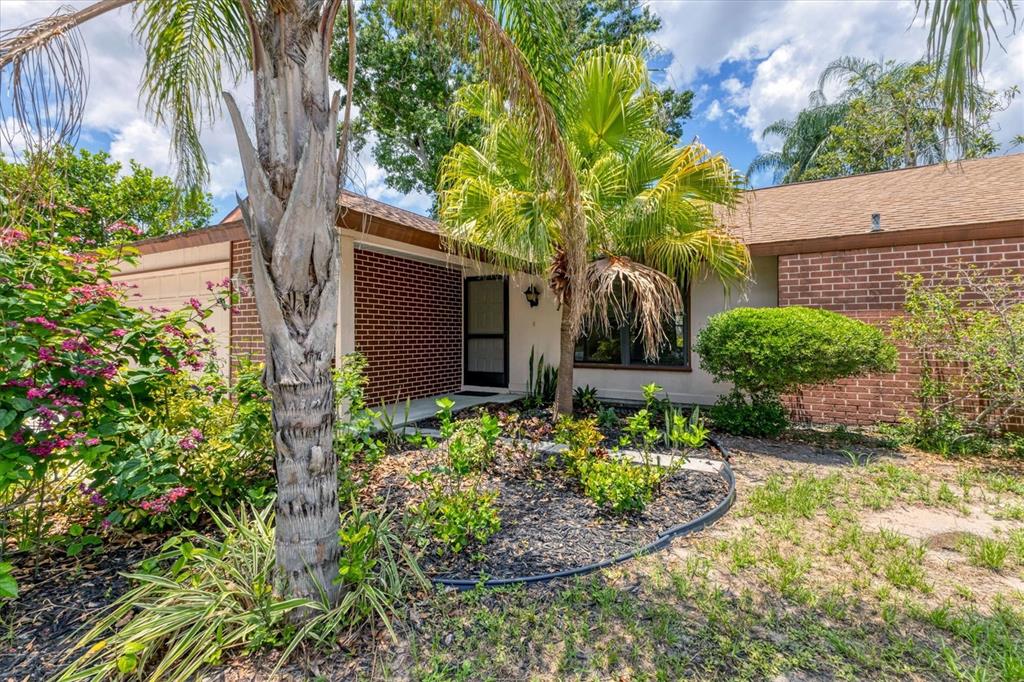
{"x":767,"y":352}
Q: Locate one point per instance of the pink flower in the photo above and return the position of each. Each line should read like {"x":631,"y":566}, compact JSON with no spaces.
{"x":46,"y":354}
{"x":42,"y":322}
{"x":118,"y":333}
{"x":80,"y":210}
{"x":10,"y":236}
{"x":35,"y":393}
{"x":92,"y":441}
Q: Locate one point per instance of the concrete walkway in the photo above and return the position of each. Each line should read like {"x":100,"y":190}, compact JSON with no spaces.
{"x":403,"y":413}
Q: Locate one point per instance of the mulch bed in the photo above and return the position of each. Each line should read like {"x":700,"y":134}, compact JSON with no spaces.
{"x":538,"y":423}
{"x":58,"y":597}
{"x":547,"y":524}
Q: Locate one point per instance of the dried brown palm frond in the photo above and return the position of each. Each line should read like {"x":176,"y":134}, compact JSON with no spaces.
{"x":622,"y":289}
{"x":44,"y":77}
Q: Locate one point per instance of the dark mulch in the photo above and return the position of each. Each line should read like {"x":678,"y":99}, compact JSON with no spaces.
{"x":58,"y":596}
{"x":547,"y":524}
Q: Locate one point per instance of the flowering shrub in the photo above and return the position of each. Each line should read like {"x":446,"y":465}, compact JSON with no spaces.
{"x":119,"y":394}
{"x":74,"y":356}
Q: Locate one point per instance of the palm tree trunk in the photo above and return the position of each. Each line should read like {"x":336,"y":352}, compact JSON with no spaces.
{"x":566,"y":353}
{"x":289,"y":214}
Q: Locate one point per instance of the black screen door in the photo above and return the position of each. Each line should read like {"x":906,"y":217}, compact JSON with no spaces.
{"x":486,"y":324}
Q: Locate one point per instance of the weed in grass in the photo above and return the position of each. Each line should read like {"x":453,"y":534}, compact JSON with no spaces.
{"x":1011,"y":512}
{"x":990,"y":553}
{"x":904,"y":568}
{"x":802,"y":495}
{"x":999,"y":482}
{"x":1016,"y":543}
{"x":740,"y":552}
{"x":946,"y":495}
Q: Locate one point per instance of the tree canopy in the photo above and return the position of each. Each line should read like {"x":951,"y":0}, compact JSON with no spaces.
{"x":889,"y":115}
{"x":91,"y":199}
{"x":406,"y":84}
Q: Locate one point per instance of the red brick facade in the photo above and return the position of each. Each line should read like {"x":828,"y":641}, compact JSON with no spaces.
{"x":408,"y":326}
{"x":408,"y":323}
{"x":866,"y":284}
{"x":246,"y":336}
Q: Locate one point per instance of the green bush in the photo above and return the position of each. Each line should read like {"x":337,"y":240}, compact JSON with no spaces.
{"x":460,"y":518}
{"x":767,"y":352}
{"x":619,"y":485}
{"x":759,"y":418}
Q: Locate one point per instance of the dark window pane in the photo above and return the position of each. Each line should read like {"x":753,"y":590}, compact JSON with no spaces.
{"x":623,"y":347}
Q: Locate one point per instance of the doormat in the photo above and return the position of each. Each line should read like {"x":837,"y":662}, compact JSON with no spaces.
{"x":476,"y":394}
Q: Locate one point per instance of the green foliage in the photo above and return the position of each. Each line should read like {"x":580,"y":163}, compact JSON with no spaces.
{"x":541,"y":382}
{"x":8,"y":585}
{"x":84,"y":196}
{"x":80,"y":368}
{"x":410,"y":127}
{"x":640,"y":432}
{"x":458,"y":519}
{"x":456,"y":510}
{"x":770,"y":351}
{"x":355,"y":441}
{"x":584,"y":399}
{"x":889,"y":116}
{"x":206,"y":597}
{"x":759,"y":417}
{"x":615,"y":484}
{"x":966,"y":334}
{"x":607,"y":418}
{"x":619,"y":485}
{"x":684,"y":432}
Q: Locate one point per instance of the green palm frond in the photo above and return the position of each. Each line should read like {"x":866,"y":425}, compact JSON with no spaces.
{"x":190,"y":45}
{"x":681,"y":255}
{"x":959,"y":32}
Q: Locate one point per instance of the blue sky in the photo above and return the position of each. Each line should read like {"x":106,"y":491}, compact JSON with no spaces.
{"x":749,"y":62}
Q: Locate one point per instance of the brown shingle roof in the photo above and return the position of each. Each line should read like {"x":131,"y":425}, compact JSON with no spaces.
{"x":973,"y":192}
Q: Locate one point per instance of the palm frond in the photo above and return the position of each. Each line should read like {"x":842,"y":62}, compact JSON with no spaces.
{"x":44,"y":78}
{"x":189,"y":46}
{"x":681,"y":255}
{"x":621,"y":289}
{"x":959,"y":32}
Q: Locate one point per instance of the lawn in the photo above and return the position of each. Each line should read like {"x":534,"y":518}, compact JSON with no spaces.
{"x":840,"y":560}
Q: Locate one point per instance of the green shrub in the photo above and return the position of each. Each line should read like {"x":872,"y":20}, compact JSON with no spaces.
{"x":471,"y":445}
{"x":767,"y":352}
{"x":965,"y":334}
{"x":584,"y":399}
{"x":619,"y":485}
{"x":457,"y":519}
{"x":732,"y":413}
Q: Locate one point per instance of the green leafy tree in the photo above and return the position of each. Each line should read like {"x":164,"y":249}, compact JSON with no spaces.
{"x":65,"y":182}
{"x":647,"y":203}
{"x":293,"y":163}
{"x":889,"y":115}
{"x":407,"y":82}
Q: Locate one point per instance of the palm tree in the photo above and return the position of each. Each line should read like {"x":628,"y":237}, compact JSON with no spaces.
{"x":803,"y":140}
{"x":292,"y":173}
{"x":649,"y":206}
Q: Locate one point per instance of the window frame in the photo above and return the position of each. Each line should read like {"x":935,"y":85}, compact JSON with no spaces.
{"x":650,"y":367}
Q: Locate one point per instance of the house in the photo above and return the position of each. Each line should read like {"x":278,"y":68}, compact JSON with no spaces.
{"x":430,"y":322}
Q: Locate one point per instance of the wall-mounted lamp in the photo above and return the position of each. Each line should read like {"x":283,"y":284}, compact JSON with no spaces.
{"x":532,"y":294}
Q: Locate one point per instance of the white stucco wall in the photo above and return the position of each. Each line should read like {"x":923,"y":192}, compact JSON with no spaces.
{"x":539,"y":327}
{"x":168,"y":279}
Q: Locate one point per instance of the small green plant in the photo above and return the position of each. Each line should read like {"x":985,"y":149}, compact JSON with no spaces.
{"x":990,"y":553}
{"x":8,"y":585}
{"x":585,"y":399}
{"x":618,"y":485}
{"x":759,"y":418}
{"x":654,"y":403}
{"x":639,"y":432}
{"x":607,"y":418}
{"x":471,"y":445}
{"x":458,"y":519}
{"x":541,"y":382}
{"x":684,"y":432}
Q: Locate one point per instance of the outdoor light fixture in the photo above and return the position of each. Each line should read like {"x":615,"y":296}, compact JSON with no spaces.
{"x":532,"y":294}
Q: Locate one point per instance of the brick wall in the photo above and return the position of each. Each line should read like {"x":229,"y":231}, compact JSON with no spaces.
{"x":246,"y":336}
{"x":866,"y":284}
{"x":408,"y":325}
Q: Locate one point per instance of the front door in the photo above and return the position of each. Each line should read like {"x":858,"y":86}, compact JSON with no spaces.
{"x":486,"y":323}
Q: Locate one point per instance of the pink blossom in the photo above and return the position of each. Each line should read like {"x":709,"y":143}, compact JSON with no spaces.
{"x":92,"y":441}
{"x":42,"y":322}
{"x":90,"y":293}
{"x":35,"y":394}
{"x":163,"y":503}
{"x":80,"y":210}
{"x":10,"y":236}
{"x":118,"y":333}
{"x":46,"y":354}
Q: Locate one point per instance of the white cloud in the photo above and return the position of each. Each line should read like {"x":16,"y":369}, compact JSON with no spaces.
{"x":714,"y":111}
{"x":792,"y":41}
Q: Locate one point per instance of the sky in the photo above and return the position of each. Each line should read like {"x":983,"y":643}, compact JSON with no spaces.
{"x":749,"y":63}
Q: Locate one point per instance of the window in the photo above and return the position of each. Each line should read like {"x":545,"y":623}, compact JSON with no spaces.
{"x":621,"y":348}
